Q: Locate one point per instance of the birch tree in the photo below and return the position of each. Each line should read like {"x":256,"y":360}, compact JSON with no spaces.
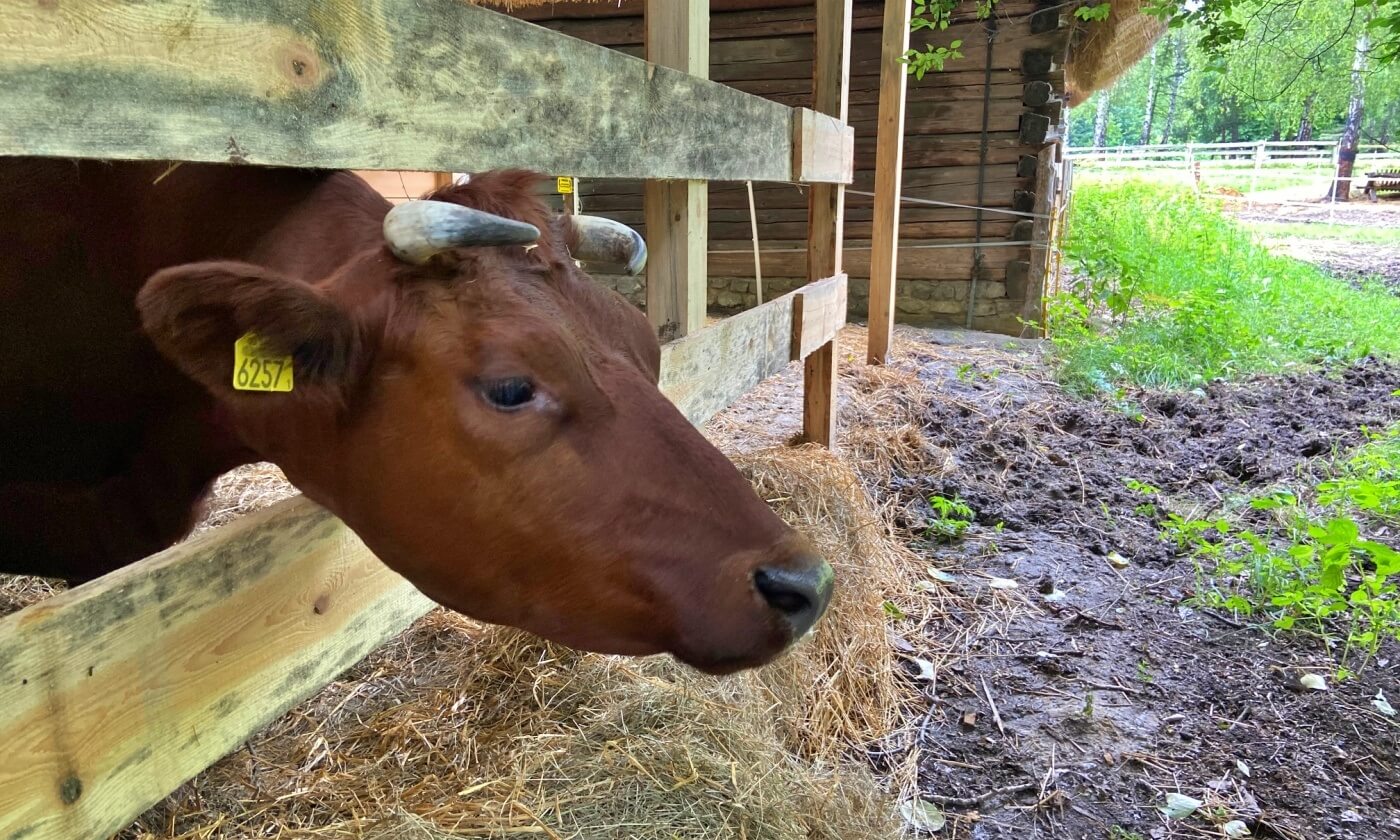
{"x":1150,"y":108}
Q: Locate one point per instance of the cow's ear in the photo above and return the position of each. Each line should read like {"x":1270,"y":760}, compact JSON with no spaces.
{"x":196,"y":313}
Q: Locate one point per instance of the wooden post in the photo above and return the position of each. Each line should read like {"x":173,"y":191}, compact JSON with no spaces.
{"x":677,"y":212}
{"x":1042,"y":244}
{"x":889,"y":166}
{"x":826,"y":212}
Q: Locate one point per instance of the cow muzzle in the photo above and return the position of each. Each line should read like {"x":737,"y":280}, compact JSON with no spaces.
{"x":799,"y":595}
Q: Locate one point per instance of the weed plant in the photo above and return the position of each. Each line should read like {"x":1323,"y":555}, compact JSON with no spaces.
{"x":1171,"y":293}
{"x":1323,"y":561}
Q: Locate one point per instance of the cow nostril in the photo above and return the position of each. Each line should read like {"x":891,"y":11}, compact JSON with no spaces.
{"x":780,"y":594}
{"x":801,"y":595}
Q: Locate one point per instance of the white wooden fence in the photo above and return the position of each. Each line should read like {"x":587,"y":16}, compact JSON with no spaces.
{"x":1246,"y":166}
{"x":1250,"y":153}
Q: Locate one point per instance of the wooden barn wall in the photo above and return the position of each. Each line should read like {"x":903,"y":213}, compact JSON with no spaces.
{"x":768,"y":51}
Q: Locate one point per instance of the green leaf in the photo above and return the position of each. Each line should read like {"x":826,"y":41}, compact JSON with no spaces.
{"x":923,"y":815}
{"x":1387,"y":559}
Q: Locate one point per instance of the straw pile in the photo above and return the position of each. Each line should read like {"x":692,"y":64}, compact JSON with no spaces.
{"x":458,"y":729}
{"x":1105,"y":50}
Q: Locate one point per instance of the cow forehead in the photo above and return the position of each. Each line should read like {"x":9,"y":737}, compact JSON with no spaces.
{"x":524,"y":306}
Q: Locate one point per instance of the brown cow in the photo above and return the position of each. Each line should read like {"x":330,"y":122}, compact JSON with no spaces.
{"x":465,"y":398}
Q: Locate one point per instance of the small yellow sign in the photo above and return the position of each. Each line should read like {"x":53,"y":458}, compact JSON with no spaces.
{"x":254,"y":369}
{"x":564,"y":184}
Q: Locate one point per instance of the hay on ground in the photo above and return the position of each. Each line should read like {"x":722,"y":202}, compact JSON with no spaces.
{"x":460,"y":729}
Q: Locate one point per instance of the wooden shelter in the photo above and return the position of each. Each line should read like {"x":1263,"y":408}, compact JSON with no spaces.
{"x":114,"y":693}
{"x":983,"y":133}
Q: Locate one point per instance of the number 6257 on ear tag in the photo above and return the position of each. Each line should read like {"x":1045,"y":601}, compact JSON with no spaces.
{"x":255,"y":369}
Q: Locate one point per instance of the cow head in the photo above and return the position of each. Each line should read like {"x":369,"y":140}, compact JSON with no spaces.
{"x":487,"y":419}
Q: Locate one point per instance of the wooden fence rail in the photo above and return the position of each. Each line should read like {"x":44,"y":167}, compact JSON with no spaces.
{"x":394,"y":84}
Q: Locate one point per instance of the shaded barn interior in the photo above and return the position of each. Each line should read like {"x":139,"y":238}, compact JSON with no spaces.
{"x":1012,"y":71}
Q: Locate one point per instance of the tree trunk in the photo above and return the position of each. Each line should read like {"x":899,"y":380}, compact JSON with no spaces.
{"x":1351,"y":132}
{"x":1305,"y":124}
{"x":1178,"y":75}
{"x":1101,"y":120}
{"x":1151,"y":110}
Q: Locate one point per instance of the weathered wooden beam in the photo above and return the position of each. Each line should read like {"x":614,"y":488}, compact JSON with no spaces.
{"x":427,"y":85}
{"x":1037,"y":93}
{"x":1047,"y":187}
{"x":1046,"y":19}
{"x":823,"y":148}
{"x":1037,"y":62}
{"x":1035,"y":129}
{"x":116,"y":692}
{"x":677,"y":212}
{"x":818,"y":314}
{"x":826,"y":218}
{"x":707,"y":371}
{"x":889,"y":165}
{"x":913,"y":263}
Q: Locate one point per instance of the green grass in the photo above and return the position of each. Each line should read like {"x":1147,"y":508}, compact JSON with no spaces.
{"x":1178,"y":295}
{"x":1321,"y":230}
{"x":1214,"y":175}
{"x":1320,"y":562}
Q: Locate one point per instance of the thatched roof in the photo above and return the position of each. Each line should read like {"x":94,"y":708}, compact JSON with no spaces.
{"x":1104,"y":50}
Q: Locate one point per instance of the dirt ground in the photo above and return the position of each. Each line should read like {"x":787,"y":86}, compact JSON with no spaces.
{"x":1338,"y":256}
{"x":1074,"y":718}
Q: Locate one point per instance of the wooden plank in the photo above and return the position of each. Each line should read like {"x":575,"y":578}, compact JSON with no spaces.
{"x":116,"y":692}
{"x":926,"y":219}
{"x":705,"y":372}
{"x":788,"y":197}
{"x":590,"y":9}
{"x":425,"y":85}
{"x":818,"y":315}
{"x":889,"y":165}
{"x":758,"y":23}
{"x":677,"y":36}
{"x":1047,"y":187}
{"x":785,"y":259}
{"x":823,"y":148}
{"x":826,"y":217}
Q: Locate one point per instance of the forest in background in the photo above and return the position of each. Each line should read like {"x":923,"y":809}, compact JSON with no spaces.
{"x":1288,"y":72}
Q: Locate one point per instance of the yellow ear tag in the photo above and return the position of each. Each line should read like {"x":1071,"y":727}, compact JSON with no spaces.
{"x":254,"y":369}
{"x":564,"y":184}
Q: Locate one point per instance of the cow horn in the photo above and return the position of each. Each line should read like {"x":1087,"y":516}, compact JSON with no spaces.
{"x":416,"y":230}
{"x":605,"y":241}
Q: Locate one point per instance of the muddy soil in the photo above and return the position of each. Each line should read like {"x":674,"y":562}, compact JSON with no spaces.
{"x":1075,"y":718}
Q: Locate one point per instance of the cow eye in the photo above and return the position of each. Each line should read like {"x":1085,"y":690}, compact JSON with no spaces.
{"x":509,"y":393}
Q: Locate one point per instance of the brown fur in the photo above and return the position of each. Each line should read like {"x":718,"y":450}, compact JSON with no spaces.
{"x":596,"y":516}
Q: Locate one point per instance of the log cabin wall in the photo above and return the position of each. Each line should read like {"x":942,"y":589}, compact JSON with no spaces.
{"x":765,"y":47}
